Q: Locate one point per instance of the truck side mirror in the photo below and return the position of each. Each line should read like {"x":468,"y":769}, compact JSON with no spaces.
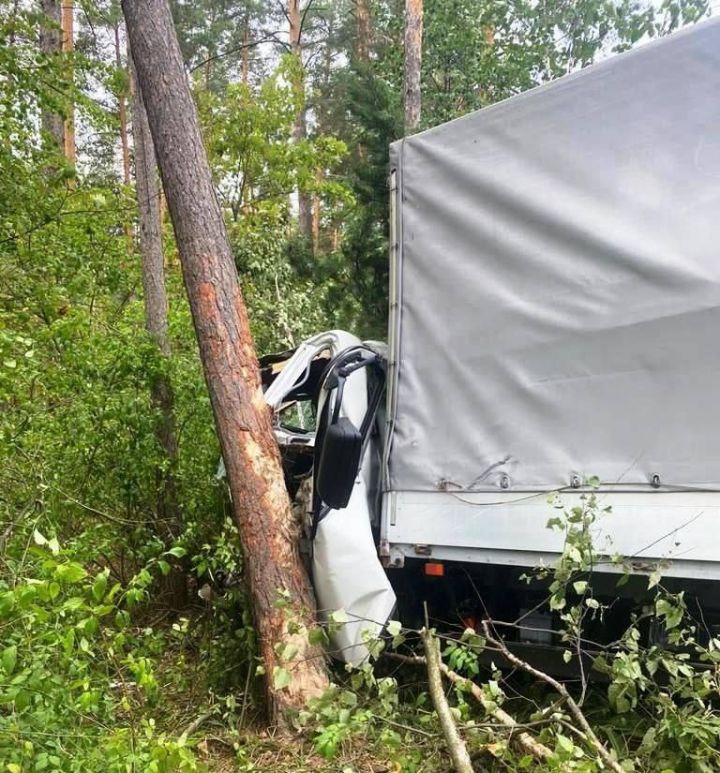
{"x":339,"y":463}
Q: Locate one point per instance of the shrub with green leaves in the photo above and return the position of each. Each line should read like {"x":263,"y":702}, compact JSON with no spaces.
{"x":75,"y":692}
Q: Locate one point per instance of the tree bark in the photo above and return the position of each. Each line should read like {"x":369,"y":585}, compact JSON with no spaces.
{"x":300,"y":128}
{"x":260,"y":502}
{"x":124,"y":140}
{"x":245,"y":53}
{"x":150,"y":235}
{"x":363,"y":30}
{"x":68,"y":46}
{"x":168,"y":519}
{"x":122,"y":112}
{"x":413,"y":62}
{"x":51,"y":45}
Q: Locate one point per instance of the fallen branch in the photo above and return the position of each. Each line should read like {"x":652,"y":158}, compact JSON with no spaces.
{"x":456,"y":745}
{"x":560,"y":688}
{"x":195,"y":725}
{"x":523,"y":739}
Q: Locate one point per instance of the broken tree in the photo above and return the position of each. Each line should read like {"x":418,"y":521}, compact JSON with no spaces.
{"x":295,"y":670}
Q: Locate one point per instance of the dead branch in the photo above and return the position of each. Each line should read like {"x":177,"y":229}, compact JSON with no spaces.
{"x":560,"y":688}
{"x":195,"y":725}
{"x":456,"y":745}
{"x":234,"y":50}
{"x":523,"y":739}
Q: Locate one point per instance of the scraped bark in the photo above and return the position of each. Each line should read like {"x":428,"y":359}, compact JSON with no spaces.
{"x":51,"y":46}
{"x":147,"y":187}
{"x":260,"y":502}
{"x":316,"y":219}
{"x":413,"y":62}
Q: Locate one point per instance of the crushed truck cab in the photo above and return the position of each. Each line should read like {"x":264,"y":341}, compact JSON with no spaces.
{"x":334,"y":380}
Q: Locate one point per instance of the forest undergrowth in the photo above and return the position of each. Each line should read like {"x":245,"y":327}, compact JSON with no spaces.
{"x":93,"y":676}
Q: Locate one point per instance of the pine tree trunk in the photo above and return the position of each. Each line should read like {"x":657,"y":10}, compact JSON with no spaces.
{"x":68,"y":46}
{"x":168,"y":520}
{"x":51,"y":46}
{"x":124,"y":140}
{"x":363,"y":30}
{"x":260,"y":502}
{"x":300,"y":128}
{"x":122,"y":113}
{"x":413,"y":61}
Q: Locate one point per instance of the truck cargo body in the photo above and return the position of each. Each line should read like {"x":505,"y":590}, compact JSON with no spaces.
{"x":555,"y":310}
{"x":554,"y":318}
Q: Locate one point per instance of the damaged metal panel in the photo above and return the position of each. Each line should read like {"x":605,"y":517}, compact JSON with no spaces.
{"x":348,"y":578}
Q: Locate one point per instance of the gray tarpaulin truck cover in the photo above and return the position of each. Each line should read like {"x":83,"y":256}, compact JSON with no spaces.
{"x":558,"y":281}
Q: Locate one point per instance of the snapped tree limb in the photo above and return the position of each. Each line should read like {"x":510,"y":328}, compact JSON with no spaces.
{"x":456,"y":745}
{"x":523,"y":739}
{"x":560,"y":688}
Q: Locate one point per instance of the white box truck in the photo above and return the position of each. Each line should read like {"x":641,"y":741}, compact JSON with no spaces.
{"x":554,"y":314}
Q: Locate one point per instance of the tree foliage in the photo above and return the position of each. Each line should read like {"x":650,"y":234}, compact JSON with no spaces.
{"x":90,"y":653}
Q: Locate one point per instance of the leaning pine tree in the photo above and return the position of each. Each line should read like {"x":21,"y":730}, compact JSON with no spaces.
{"x":295,"y":670}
